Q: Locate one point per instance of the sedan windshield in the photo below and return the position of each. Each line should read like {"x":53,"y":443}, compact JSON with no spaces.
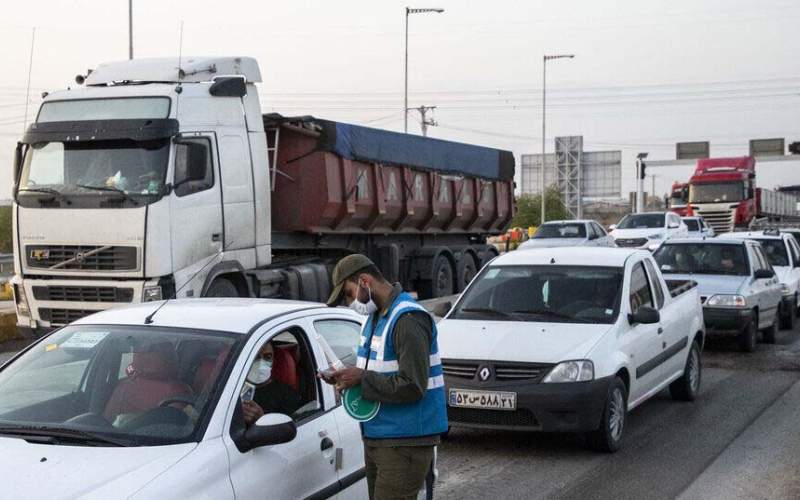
{"x":126,"y":385}
{"x":561,"y":231}
{"x":716,"y":193}
{"x":702,"y":258}
{"x":642,"y":221}
{"x":550,"y":294}
{"x":776,"y":251}
{"x":96,"y":168}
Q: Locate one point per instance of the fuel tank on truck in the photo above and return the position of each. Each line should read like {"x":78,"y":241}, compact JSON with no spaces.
{"x":331,"y":177}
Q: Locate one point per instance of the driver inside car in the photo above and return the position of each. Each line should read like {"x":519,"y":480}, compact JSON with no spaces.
{"x":270,"y":395}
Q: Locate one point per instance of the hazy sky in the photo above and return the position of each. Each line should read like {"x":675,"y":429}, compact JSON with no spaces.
{"x":646,"y":74}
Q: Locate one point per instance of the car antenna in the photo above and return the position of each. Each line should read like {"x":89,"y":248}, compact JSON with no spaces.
{"x":149,"y":319}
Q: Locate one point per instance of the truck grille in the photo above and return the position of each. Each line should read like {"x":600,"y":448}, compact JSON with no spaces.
{"x":517,"y":418}
{"x":62,"y":316}
{"x":83,"y":293}
{"x":720,"y":220}
{"x":459,"y":369}
{"x":630,"y":242}
{"x":81,"y":257}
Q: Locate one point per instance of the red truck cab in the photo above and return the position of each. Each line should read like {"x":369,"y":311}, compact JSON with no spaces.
{"x":722,"y":190}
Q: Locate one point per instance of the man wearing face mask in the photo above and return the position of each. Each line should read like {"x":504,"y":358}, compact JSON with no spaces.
{"x":270,"y":395}
{"x":398,"y":366}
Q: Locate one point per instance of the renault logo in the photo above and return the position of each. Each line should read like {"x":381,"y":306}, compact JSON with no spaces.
{"x":484,"y":373}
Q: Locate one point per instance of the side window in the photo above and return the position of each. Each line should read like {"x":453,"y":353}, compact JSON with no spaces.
{"x":291,"y":385}
{"x":761,"y":259}
{"x":194,"y":167}
{"x":599,"y":230}
{"x":658,"y":291}
{"x":343,"y":336}
{"x":793,"y":250}
{"x":591,"y":232}
{"x":640,"y":289}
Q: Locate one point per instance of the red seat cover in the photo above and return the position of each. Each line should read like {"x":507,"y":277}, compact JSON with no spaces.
{"x":151,"y":379}
{"x":284,"y":366}
{"x":208,"y":370}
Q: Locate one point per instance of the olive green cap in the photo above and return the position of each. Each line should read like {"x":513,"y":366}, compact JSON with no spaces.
{"x":346,"y":268}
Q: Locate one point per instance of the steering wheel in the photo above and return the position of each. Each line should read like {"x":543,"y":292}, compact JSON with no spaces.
{"x":188,"y":400}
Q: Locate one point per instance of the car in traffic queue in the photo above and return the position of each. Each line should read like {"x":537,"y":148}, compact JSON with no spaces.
{"x":569,"y":233}
{"x":145,"y":402}
{"x":648,"y":230}
{"x":738,"y":288}
{"x":697,"y":227}
{"x":569,"y":340}
{"x":783,"y":254}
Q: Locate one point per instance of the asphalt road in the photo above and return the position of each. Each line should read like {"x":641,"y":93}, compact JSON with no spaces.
{"x":739,"y":439}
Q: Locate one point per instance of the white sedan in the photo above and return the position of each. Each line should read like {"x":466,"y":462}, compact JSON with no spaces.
{"x":569,"y":233}
{"x":126,"y":404}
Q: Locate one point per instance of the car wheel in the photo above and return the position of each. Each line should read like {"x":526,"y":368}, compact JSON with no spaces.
{"x":608,"y":437}
{"x":749,"y":335}
{"x":772,"y":331}
{"x":788,"y":315}
{"x":222,"y":288}
{"x":687,"y":387}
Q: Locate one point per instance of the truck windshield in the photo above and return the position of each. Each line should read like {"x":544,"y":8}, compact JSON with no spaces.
{"x":561,"y":231}
{"x":776,"y":251}
{"x":549,"y":294}
{"x":716,"y":193}
{"x":115,"y":385}
{"x":702,"y":258}
{"x":642,"y":221}
{"x":134,"y":167}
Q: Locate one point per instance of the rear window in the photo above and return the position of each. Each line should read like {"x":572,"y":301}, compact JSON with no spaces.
{"x":561,"y":231}
{"x":551,"y":294}
{"x":702,"y":258}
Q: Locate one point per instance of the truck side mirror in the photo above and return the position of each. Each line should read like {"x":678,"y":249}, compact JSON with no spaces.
{"x":17,"y":163}
{"x":646,"y":315}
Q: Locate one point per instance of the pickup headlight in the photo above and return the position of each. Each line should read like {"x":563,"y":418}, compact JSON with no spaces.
{"x":571,"y":371}
{"x":785,"y":289}
{"x":151,"y":294}
{"x":736,"y":301}
{"x":21,"y":301}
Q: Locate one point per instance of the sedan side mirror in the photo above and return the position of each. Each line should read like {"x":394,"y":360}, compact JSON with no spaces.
{"x":441,"y":309}
{"x":272,"y":428}
{"x":761,"y":274}
{"x":612,"y":227}
{"x":645,"y":315}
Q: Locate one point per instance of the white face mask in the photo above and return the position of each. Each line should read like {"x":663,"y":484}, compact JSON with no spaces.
{"x":362,"y":308}
{"x":260,"y":372}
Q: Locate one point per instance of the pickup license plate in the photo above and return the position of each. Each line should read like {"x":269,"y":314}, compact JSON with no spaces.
{"x":490,"y":400}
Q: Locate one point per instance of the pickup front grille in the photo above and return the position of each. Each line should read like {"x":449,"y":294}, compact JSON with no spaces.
{"x":630,"y":242}
{"x":81,"y":257}
{"x":516,"y":418}
{"x":62,"y":316}
{"x":721,"y":220}
{"x":459,"y":369}
{"x":83,"y":293}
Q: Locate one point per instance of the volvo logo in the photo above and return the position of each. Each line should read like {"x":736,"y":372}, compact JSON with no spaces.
{"x":484,"y":373}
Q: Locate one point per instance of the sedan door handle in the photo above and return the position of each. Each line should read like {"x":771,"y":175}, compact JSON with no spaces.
{"x":326,"y":444}
{"x":660,"y":330}
{"x":216,"y":237}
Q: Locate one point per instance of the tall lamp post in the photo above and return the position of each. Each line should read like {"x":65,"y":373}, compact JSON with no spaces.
{"x":410,"y":11}
{"x":546,"y":58}
{"x":130,"y":29}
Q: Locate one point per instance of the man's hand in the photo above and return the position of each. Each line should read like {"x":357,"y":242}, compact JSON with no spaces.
{"x":252,"y":412}
{"x":347,"y":377}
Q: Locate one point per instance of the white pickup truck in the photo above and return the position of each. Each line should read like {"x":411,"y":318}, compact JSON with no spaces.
{"x":569,"y":340}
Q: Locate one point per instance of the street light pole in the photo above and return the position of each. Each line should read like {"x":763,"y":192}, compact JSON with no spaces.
{"x":546,"y":58}
{"x":409,"y":11}
{"x":130,"y":29}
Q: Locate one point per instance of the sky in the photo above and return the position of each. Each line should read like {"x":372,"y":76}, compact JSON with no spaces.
{"x":646,"y":73}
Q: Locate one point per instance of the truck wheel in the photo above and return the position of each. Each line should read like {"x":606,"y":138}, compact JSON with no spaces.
{"x":749,"y":335}
{"x":608,"y":438}
{"x":772,"y":331}
{"x":440,"y":283}
{"x":222,"y":287}
{"x":466,"y":271}
{"x":788,"y":315}
{"x":686,"y":387}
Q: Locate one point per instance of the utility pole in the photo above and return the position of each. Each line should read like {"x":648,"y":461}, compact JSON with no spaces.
{"x":640,"y":174}
{"x":410,"y":11}
{"x":546,"y":58}
{"x":28,"y":86}
{"x":130,"y":29}
{"x":424,"y":121}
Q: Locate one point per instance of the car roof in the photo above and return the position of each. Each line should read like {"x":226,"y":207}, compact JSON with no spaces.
{"x":652,"y":213}
{"x":568,"y":256}
{"x":710,"y":241}
{"x":691,"y":217}
{"x":573,"y":221}
{"x":743,"y":235}
{"x":237,"y":315}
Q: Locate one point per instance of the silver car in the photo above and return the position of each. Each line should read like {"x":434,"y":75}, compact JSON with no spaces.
{"x":569,"y":233}
{"x":738,"y":287}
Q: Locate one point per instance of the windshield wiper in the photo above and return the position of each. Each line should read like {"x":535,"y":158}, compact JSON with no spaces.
{"x":546,"y":312}
{"x":45,"y":190}
{"x":75,"y":435}
{"x":110,"y":189}
{"x":486,"y":310}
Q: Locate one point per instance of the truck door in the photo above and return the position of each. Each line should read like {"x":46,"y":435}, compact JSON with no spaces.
{"x":195,"y":209}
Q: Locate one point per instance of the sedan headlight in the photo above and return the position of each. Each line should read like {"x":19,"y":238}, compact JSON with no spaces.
{"x":727,"y":301}
{"x":785,"y":289}
{"x":657,"y":236}
{"x":151,"y":294}
{"x":571,"y":371}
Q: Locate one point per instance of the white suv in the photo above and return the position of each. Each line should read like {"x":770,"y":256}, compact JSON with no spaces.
{"x":648,"y":230}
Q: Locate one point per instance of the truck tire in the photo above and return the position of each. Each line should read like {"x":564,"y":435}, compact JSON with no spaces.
{"x":687,"y":387}
{"x":440,"y":283}
{"x":788,"y":315}
{"x":608,"y":437}
{"x":771,"y":331}
{"x":749,"y":335}
{"x":467,"y":269}
{"x":222,"y":287}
